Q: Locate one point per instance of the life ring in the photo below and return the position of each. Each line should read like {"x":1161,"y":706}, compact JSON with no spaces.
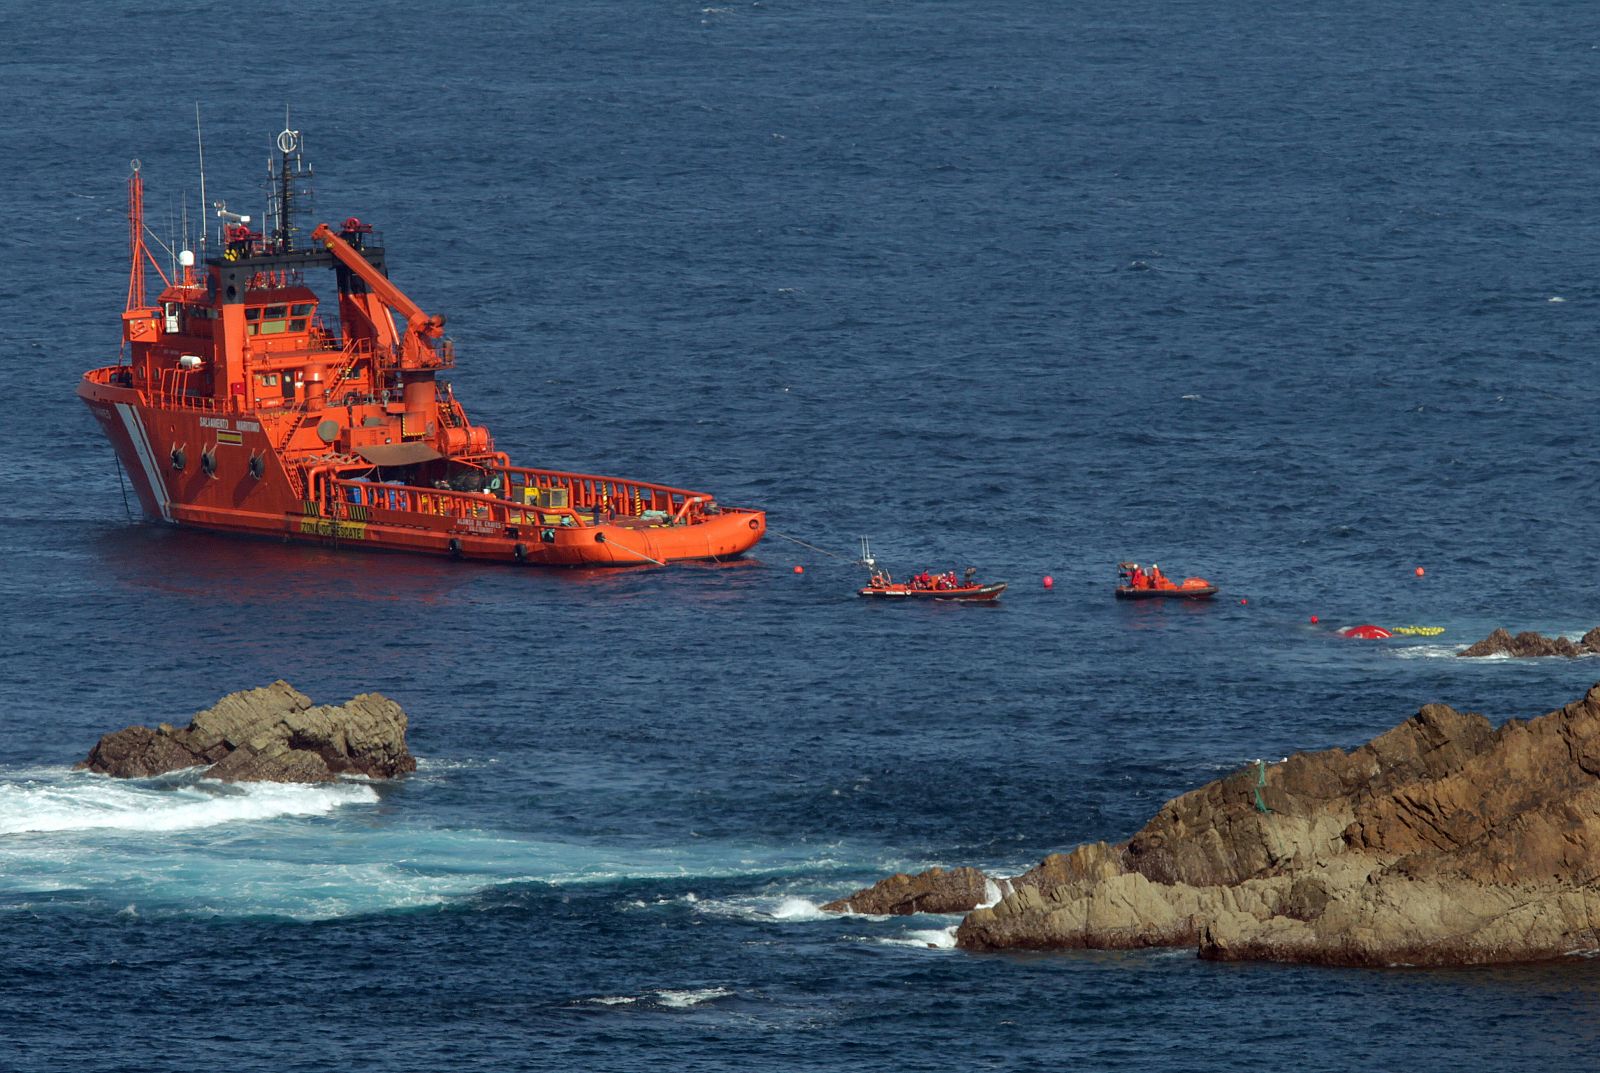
{"x":755,"y":523}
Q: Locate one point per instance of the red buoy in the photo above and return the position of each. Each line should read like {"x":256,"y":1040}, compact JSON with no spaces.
{"x":1419,"y":571}
{"x":1313,"y":620}
{"x":1049,"y":582}
{"x":799,"y":569}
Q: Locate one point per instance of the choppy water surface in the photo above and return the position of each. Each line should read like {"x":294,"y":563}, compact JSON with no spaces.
{"x":1298,"y":300}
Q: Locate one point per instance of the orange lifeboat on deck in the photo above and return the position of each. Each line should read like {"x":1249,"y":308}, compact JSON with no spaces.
{"x":238,"y":409}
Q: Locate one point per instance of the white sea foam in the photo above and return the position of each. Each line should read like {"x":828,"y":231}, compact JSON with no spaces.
{"x":1437,"y":651}
{"x":934,"y":938}
{"x":682,"y":1000}
{"x":670,"y":998}
{"x":183,"y":846}
{"x":788,"y":908}
{"x":90,"y":803}
{"x":799,"y":909}
{"x":427,"y":765}
{"x":1429,"y":651}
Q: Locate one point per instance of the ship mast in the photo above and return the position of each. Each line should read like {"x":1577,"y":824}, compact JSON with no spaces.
{"x":138,"y":252}
{"x":135,"y":237}
{"x":288,"y":181}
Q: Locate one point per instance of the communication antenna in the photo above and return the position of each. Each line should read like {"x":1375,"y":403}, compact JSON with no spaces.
{"x":288,"y":182}
{"x":202,"y":144}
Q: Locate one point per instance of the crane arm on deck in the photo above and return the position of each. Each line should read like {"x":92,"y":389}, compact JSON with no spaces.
{"x":418,"y":322}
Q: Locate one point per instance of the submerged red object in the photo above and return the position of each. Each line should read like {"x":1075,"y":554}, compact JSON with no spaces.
{"x":235,"y":408}
{"x":1367,"y":632}
{"x":1138,"y":584}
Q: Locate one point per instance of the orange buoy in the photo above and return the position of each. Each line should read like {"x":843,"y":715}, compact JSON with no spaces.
{"x":1419,"y":571}
{"x":799,"y":569}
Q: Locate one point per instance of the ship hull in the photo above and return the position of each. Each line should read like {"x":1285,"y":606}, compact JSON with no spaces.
{"x":906,"y":594}
{"x":1197,"y":592}
{"x":219,"y":471}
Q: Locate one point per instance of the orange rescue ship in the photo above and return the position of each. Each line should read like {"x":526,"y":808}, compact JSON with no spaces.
{"x":235,"y":408}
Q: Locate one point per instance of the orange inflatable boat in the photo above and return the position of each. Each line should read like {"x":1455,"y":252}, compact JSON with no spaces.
{"x":1135,"y":583}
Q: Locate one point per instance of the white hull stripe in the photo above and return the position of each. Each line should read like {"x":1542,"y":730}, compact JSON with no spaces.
{"x":141,"y":447}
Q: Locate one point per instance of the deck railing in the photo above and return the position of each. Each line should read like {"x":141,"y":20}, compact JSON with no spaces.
{"x":168,"y":394}
{"x":524,"y":498}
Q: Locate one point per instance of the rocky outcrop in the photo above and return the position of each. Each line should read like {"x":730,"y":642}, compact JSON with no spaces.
{"x":933,"y":891}
{"x":1528,"y":645}
{"x":1441,"y":842}
{"x":272,"y":734}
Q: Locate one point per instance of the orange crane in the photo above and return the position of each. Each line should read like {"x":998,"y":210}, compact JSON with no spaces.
{"x":417,"y":349}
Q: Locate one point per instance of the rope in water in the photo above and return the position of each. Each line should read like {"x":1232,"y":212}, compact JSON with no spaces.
{"x":813,"y":547}
{"x":122,"y":484}
{"x":636,"y":551}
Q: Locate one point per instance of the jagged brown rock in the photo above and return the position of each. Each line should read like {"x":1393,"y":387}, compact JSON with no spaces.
{"x":272,"y":734}
{"x":1529,"y":645}
{"x":1441,"y":842}
{"x":933,"y":891}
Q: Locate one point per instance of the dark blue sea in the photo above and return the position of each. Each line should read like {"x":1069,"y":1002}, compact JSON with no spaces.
{"x":1297,"y":297}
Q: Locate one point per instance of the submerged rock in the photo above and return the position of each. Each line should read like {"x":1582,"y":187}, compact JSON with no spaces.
{"x":933,"y":891}
{"x":1441,"y":842}
{"x":1528,"y":645}
{"x":272,"y":734}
